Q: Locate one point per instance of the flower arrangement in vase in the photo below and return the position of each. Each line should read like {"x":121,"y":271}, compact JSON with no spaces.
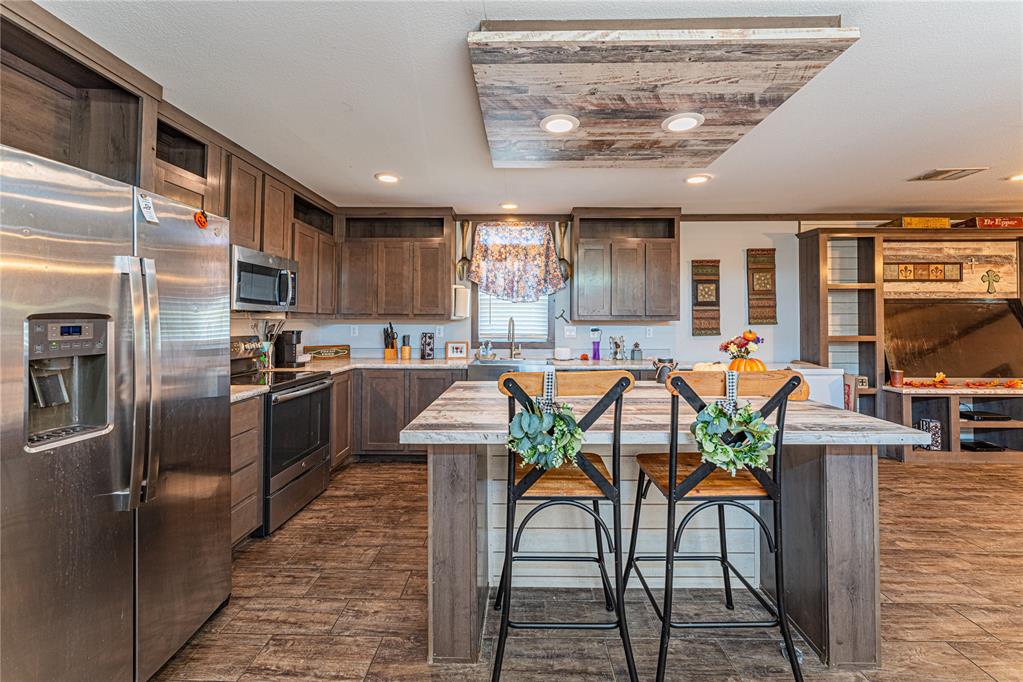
{"x":740,"y":349}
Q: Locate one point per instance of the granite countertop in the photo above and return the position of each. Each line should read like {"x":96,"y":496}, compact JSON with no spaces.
{"x":239,"y":393}
{"x":955,"y":389}
{"x":474,"y":412}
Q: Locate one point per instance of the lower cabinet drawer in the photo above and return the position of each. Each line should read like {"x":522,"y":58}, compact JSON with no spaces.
{"x":246,"y":448}
{"x":246,"y":415}
{"x":244,"y":483}
{"x":245,"y":518}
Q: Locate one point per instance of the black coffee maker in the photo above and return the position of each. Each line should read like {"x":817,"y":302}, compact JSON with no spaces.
{"x":286,"y":348}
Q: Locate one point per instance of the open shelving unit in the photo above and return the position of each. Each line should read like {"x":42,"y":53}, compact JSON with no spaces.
{"x":909,"y":408}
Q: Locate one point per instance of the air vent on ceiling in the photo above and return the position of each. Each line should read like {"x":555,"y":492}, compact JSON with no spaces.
{"x":948,"y":173}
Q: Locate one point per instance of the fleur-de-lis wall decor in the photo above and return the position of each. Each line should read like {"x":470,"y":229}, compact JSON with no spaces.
{"x":990,"y":278}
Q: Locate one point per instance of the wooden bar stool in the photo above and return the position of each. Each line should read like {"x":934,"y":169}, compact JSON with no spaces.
{"x":685,"y":477}
{"x":588,"y":481}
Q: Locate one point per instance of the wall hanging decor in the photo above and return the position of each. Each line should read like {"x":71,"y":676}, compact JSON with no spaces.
{"x":761,"y":286}
{"x":706,"y":297}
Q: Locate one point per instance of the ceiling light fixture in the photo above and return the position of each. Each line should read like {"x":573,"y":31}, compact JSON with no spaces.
{"x":559,"y":124}
{"x":698,"y":179}
{"x":1016,"y":178}
{"x":389,"y":178}
{"x":509,"y":205}
{"x":680,"y":123}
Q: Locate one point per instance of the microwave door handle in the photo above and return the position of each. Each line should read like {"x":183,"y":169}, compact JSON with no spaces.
{"x":130,"y":498}
{"x":282,"y":278}
{"x":292,"y":276}
{"x":152,"y":299}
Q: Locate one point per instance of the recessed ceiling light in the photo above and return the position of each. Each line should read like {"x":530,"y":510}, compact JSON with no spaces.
{"x":1016,"y":178}
{"x":698,"y":179}
{"x":389,"y":178}
{"x":559,"y":124}
{"x":680,"y":123}
{"x":509,"y":206}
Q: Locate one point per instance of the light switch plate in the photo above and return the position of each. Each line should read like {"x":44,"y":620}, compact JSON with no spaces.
{"x":650,"y":332}
{"x":569,"y":332}
{"x":439,"y":333}
{"x":354,"y":330}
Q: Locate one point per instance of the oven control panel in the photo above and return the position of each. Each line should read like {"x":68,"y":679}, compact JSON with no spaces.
{"x":61,"y":338}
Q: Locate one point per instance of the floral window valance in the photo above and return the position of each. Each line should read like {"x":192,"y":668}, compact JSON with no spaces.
{"x":515,"y":261}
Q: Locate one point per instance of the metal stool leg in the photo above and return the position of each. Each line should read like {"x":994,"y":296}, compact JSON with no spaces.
{"x":509,"y":539}
{"x":669,"y":585}
{"x":725,"y":572}
{"x":499,"y":599}
{"x":604,"y":580}
{"x":634,"y":534}
{"x":783,"y":615}
{"x":623,"y":627}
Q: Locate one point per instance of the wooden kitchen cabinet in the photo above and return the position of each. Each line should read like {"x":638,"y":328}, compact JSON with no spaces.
{"x":626,"y":264}
{"x":245,"y":203}
{"x":277,"y":201}
{"x":326,"y":274}
{"x":341,"y":424}
{"x":358,"y":278}
{"x":304,"y":252}
{"x":425,"y":386}
{"x":627,"y":288}
{"x":394,"y":278}
{"x":382,"y":399}
{"x":189,"y":166}
{"x":431,"y":289}
{"x":246,"y":467}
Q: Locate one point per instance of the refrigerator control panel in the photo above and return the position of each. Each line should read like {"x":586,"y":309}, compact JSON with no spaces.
{"x":61,"y":338}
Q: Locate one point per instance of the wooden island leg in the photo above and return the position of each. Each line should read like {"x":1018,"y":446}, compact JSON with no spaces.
{"x":831,"y":551}
{"x":457,"y":551}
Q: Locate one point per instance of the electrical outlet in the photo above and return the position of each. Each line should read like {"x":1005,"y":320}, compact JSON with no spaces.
{"x":569,"y":332}
{"x":650,"y":332}
{"x":354,"y":330}
{"x":439,"y":334}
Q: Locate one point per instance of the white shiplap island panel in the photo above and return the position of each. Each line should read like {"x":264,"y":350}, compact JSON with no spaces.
{"x":829,"y":467}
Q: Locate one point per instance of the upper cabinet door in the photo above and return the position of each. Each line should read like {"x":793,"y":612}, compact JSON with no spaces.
{"x":326,"y":271}
{"x":394,"y":277}
{"x":244,"y":204}
{"x":305,"y":251}
{"x":627,"y":286}
{"x":662,"y":279}
{"x":431,"y":289}
{"x":592,"y":273}
{"x":277,"y":201}
{"x":358,"y":278}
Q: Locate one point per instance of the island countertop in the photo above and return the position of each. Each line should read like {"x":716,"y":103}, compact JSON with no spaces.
{"x":474,"y":412}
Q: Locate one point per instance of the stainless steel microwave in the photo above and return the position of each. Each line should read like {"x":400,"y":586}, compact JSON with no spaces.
{"x":260,"y":281}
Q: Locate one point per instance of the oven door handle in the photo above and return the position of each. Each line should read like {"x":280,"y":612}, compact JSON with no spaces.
{"x":298,"y":393}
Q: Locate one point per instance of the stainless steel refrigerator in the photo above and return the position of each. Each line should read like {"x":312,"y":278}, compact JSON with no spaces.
{"x":114,"y":427}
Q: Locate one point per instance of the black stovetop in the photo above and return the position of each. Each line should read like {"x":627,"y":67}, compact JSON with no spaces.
{"x":277,"y":379}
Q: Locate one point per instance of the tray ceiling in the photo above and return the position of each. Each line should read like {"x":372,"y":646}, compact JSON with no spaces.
{"x":622,"y":83}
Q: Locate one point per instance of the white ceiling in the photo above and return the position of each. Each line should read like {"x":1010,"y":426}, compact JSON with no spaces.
{"x":331,"y":92}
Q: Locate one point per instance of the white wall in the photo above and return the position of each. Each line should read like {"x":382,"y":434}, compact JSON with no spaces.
{"x":725,"y":241}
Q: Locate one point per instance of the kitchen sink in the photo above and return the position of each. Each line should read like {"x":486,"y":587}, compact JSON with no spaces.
{"x":491,"y":370}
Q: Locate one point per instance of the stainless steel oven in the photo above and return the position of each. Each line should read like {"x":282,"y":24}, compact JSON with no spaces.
{"x":260,"y":281}
{"x":297,"y":464}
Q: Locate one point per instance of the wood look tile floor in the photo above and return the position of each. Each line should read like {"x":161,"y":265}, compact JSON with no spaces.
{"x":339,"y":593}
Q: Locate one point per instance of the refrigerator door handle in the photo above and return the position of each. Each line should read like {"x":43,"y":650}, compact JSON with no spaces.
{"x":130,"y":498}
{"x":152,"y":299}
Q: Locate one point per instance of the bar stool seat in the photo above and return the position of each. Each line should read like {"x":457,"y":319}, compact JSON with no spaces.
{"x":566,"y":481}
{"x":719,"y":483}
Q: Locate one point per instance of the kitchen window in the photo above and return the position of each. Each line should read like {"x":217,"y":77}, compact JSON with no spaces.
{"x":534,"y":325}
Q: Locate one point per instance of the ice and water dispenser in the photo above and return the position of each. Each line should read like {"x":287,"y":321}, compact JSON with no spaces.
{"x":67,"y":378}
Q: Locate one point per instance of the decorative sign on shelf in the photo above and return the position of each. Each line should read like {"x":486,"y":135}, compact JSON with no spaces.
{"x":920,"y":223}
{"x":706,"y":297}
{"x":994,"y":222}
{"x":923,"y":272}
{"x":761,"y":286}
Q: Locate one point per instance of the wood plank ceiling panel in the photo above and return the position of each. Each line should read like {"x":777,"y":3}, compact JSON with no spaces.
{"x":622,"y":83}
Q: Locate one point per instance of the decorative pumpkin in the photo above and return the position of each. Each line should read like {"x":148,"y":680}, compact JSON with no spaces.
{"x":749,"y":335}
{"x":747,"y":365}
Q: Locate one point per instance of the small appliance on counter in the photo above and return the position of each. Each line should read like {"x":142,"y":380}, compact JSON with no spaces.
{"x":286,"y":349}
{"x":296,"y":438}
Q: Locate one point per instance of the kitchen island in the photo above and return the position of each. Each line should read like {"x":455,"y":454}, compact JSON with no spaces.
{"x":831,"y":518}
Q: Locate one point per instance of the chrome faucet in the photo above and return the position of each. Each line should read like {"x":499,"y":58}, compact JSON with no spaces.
{"x":512,"y":353}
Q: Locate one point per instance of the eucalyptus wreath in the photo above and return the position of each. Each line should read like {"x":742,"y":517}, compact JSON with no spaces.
{"x":713,"y":424}
{"x":545,"y":439}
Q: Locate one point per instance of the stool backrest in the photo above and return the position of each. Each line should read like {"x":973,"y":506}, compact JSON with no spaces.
{"x":751,"y":384}
{"x":569,"y":383}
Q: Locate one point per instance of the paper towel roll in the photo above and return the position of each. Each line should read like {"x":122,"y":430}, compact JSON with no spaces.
{"x":460,"y":309}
